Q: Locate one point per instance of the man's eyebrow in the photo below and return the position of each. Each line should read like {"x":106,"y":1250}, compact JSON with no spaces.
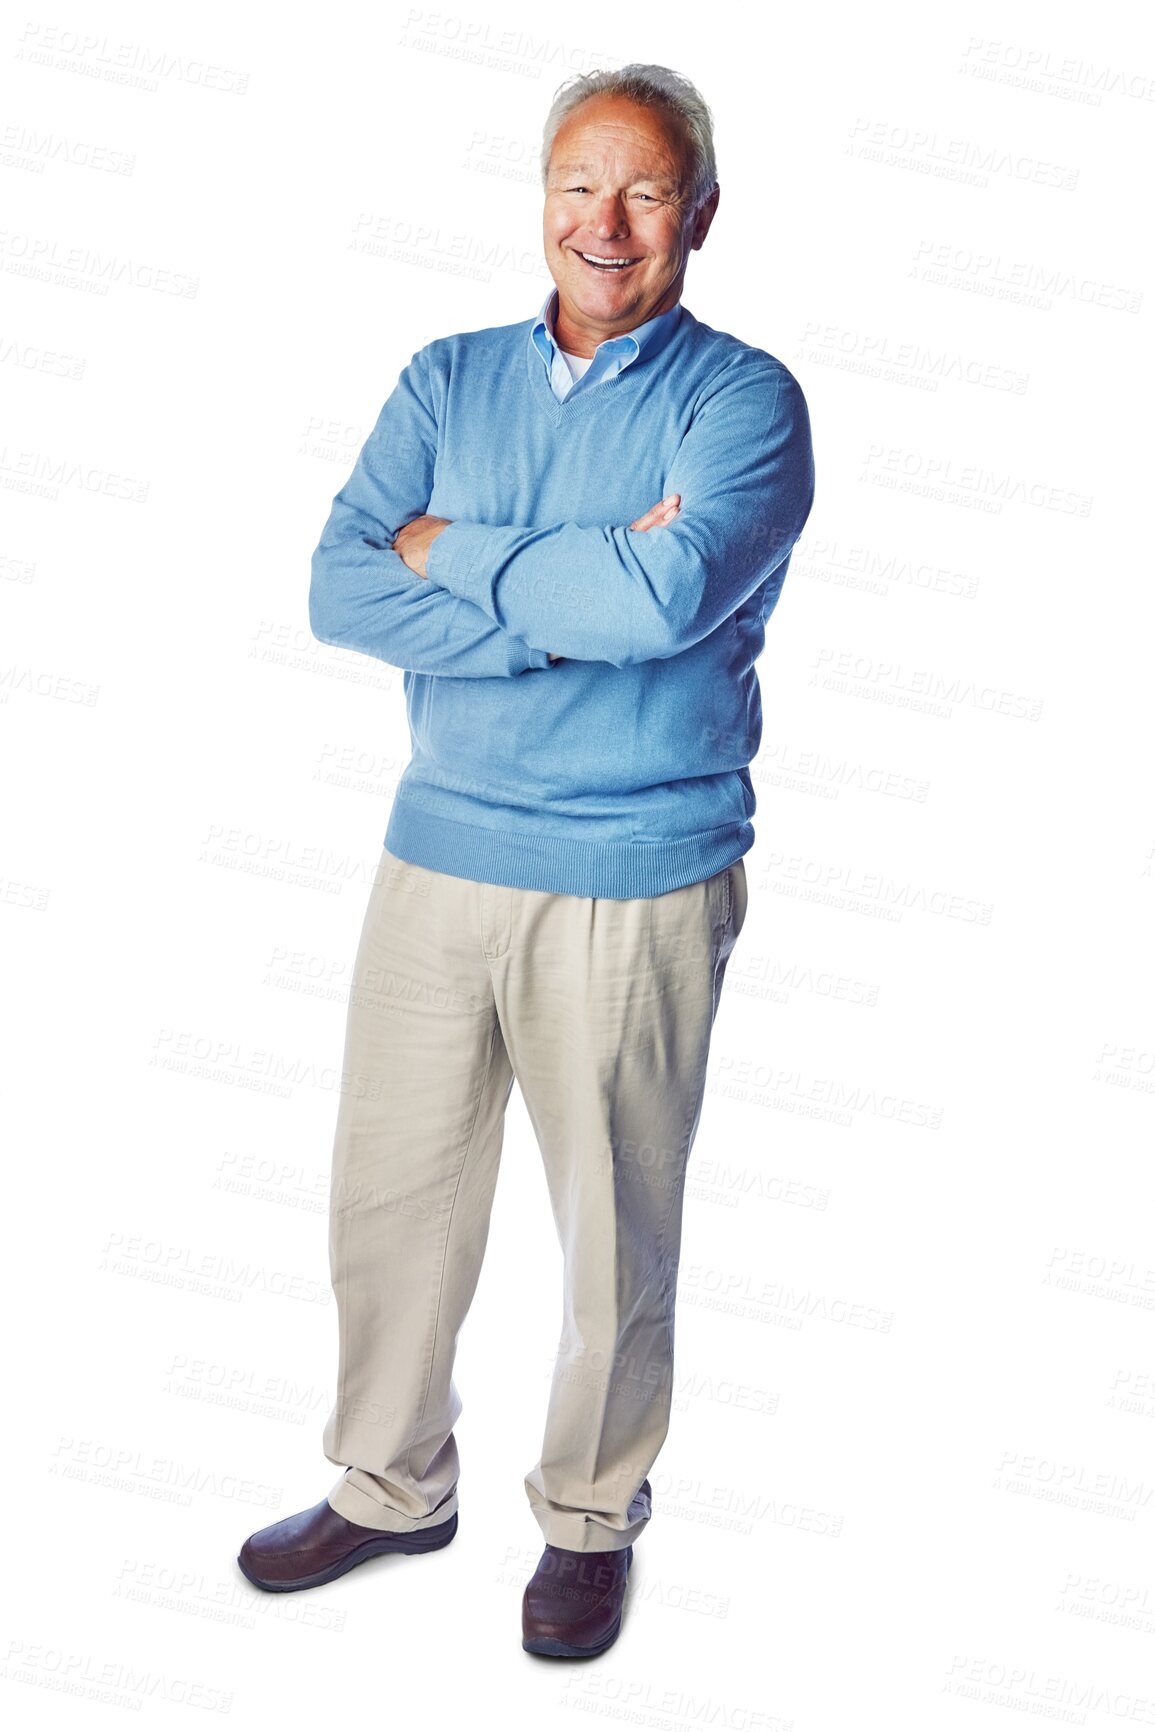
{"x":586,"y":168}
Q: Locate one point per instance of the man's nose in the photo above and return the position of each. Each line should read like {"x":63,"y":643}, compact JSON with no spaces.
{"x":610,"y":217}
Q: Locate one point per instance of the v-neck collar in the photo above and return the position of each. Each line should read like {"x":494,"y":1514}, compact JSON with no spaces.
{"x":570,"y":404}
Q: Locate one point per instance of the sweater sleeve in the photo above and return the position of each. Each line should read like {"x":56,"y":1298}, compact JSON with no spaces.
{"x":745,"y":471}
{"x":363,"y":596}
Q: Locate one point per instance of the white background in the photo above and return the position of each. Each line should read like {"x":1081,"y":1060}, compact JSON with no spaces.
{"x":910,"y":1480}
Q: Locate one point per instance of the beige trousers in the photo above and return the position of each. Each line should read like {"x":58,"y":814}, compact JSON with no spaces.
{"x":602,"y":1009}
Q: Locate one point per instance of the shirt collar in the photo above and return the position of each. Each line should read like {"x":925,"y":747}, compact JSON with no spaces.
{"x":653,"y":335}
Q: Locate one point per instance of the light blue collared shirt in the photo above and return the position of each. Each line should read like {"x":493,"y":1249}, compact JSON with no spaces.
{"x":608,"y":358}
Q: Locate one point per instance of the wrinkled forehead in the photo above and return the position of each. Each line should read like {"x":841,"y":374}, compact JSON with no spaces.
{"x":657,"y":140}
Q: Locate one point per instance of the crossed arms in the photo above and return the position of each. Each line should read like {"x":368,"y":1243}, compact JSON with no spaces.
{"x":494,"y":596}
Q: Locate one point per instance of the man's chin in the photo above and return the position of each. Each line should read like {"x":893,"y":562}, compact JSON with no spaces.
{"x":603,"y":294}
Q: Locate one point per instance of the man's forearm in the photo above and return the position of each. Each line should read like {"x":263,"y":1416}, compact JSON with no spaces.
{"x":363,"y":597}
{"x":415,"y":538}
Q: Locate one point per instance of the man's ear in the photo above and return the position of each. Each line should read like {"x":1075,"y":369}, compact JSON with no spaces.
{"x":705,"y":217}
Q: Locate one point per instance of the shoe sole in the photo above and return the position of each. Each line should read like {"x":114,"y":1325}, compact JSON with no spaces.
{"x":554,"y":1649}
{"x":409,"y":1543}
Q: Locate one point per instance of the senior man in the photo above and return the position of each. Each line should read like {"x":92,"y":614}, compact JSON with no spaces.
{"x":569,"y":532}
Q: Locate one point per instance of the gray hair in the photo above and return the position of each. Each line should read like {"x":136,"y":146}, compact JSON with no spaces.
{"x":656,"y":87}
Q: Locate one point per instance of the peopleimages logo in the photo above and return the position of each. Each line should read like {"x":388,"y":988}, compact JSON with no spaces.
{"x":1071,"y":77}
{"x":914,"y":147}
{"x":999,"y":487}
{"x":1017,"y":280}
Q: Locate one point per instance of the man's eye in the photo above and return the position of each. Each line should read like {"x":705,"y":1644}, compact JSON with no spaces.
{"x":648,"y":195}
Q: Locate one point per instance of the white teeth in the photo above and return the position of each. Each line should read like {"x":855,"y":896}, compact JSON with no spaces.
{"x":596,"y":259}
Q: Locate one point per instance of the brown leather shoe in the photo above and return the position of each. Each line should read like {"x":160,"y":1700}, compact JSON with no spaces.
{"x":318,"y":1545}
{"x":573,"y":1604}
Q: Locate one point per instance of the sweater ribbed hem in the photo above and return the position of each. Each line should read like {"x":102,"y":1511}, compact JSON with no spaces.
{"x":565,"y":866}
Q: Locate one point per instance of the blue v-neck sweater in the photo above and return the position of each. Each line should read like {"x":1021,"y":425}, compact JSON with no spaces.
{"x":622,"y":769}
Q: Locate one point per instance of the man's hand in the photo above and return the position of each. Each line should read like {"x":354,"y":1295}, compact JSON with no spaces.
{"x":660,"y":514}
{"x":656,"y":517}
{"x":413,"y":540}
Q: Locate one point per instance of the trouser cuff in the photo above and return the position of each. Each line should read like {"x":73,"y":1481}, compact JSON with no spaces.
{"x":357,"y":1506}
{"x":575,"y":1533}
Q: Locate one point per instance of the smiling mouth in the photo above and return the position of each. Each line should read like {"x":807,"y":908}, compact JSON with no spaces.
{"x":608,"y":266}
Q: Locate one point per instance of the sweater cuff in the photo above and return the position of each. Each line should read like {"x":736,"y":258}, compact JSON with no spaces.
{"x":537,"y":658}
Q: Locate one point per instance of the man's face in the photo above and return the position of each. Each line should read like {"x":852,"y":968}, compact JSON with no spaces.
{"x":618,"y":188}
